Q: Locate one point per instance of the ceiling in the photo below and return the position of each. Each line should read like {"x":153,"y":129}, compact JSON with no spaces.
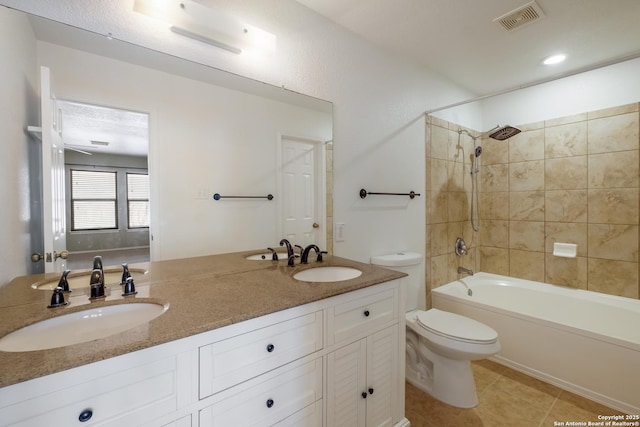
{"x":459,"y":40}
{"x":92,"y":129}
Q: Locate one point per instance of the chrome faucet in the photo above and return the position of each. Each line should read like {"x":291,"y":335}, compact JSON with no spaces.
{"x":462,"y":270}
{"x":304,"y":258}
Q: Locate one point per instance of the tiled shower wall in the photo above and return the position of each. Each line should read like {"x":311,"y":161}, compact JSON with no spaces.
{"x":573,"y":180}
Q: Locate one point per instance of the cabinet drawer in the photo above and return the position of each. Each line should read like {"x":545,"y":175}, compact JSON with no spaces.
{"x":129,"y":397}
{"x":360,"y":316}
{"x":270,"y":399}
{"x":232,"y":361}
{"x":311,"y":416}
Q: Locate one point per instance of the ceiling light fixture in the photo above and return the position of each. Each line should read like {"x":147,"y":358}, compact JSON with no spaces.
{"x":554,"y":59}
{"x":214,"y":27}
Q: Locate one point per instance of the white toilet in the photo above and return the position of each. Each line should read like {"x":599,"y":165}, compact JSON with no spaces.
{"x":440,"y":344}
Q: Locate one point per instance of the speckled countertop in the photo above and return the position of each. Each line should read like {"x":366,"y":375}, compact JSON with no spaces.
{"x":203,"y":293}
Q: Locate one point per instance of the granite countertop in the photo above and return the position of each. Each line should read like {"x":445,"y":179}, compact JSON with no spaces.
{"x":203,"y":293}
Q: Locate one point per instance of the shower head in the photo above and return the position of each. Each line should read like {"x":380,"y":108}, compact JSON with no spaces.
{"x":504,"y":132}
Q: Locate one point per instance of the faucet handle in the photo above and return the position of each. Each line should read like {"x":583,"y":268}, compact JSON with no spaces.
{"x":129,"y":288}
{"x":63,"y":283}
{"x":97,"y":284}
{"x":274,"y":254}
{"x":57,"y":299}
{"x":319,"y":258}
{"x":291,"y":260}
{"x":125,"y":274}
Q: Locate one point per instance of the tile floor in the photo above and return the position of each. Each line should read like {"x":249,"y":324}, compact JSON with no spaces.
{"x":507,"y":398}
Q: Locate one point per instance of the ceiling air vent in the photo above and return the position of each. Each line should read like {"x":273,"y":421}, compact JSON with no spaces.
{"x":521,"y":16}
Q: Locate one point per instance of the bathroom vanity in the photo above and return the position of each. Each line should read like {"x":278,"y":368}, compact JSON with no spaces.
{"x":242,"y":343}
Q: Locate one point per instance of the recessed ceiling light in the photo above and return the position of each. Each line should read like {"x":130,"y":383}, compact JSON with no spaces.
{"x":554,"y":59}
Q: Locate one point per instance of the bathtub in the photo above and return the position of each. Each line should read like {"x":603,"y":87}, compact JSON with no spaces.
{"x":584,"y":342}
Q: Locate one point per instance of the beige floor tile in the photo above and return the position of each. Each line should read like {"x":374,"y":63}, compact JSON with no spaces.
{"x":506,"y":398}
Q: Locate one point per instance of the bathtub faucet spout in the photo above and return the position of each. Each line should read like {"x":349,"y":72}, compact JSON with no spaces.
{"x":462,"y":270}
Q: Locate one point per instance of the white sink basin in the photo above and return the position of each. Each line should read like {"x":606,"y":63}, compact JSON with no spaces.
{"x":266,"y":256}
{"x":78,"y":281}
{"x":327,"y":274}
{"x":81,"y":326}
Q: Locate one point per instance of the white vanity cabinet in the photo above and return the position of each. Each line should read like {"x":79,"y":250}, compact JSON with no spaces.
{"x":362,"y":373}
{"x":336,"y":361}
{"x":115,"y":392}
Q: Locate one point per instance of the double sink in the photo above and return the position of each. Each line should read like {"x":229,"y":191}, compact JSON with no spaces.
{"x":104,"y":321}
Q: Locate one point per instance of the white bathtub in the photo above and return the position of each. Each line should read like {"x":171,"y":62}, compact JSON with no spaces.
{"x":584,"y":342}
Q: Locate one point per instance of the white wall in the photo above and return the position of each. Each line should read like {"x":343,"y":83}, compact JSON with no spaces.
{"x":18,"y":109}
{"x":378,"y":99}
{"x":598,"y":89}
{"x":204,"y":139}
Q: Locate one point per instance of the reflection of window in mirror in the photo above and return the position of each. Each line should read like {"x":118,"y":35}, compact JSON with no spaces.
{"x":93,"y":200}
{"x":138,"y":200}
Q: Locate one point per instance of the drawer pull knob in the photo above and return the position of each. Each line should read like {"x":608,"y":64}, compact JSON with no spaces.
{"x":364,"y":394}
{"x":366,"y":313}
{"x":85,"y":415}
{"x":370,"y":390}
{"x":270,"y":403}
{"x":270,"y":348}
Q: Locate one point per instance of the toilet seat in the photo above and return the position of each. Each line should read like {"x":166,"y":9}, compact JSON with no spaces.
{"x":455,"y":327}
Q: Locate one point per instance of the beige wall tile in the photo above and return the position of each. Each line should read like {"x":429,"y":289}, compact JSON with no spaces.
{"x":531,"y":126}
{"x":566,"y":232}
{"x":526,"y":146}
{"x":438,"y":175}
{"x":462,"y":229}
{"x":494,"y":260}
{"x":613,"y":111}
{"x":494,"y":152}
{"x":570,"y":272}
{"x":613,"y":170}
{"x":566,"y":119}
{"x":526,"y":265}
{"x":613,"y":277}
{"x":616,"y":242}
{"x":439,"y":142}
{"x":526,"y":235}
{"x":526,"y":176}
{"x":566,"y":140}
{"x":526,"y":205}
{"x":615,"y":133}
{"x":438,"y":239}
{"x":439,"y":270}
{"x":565,"y":206}
{"x":494,"y":177}
{"x":565,"y":173}
{"x":458,"y":206}
{"x":437,"y":206}
{"x":459,"y":177}
{"x":614,"y":206}
{"x":495,"y":205}
{"x":438,"y":122}
{"x":495,"y":233}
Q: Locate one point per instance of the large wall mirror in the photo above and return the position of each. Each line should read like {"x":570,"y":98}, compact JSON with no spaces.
{"x":125,"y":112}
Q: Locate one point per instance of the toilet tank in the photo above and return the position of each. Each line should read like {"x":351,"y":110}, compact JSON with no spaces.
{"x":410,"y":263}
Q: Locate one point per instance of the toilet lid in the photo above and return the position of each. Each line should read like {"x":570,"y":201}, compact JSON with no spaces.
{"x":456,"y":327}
